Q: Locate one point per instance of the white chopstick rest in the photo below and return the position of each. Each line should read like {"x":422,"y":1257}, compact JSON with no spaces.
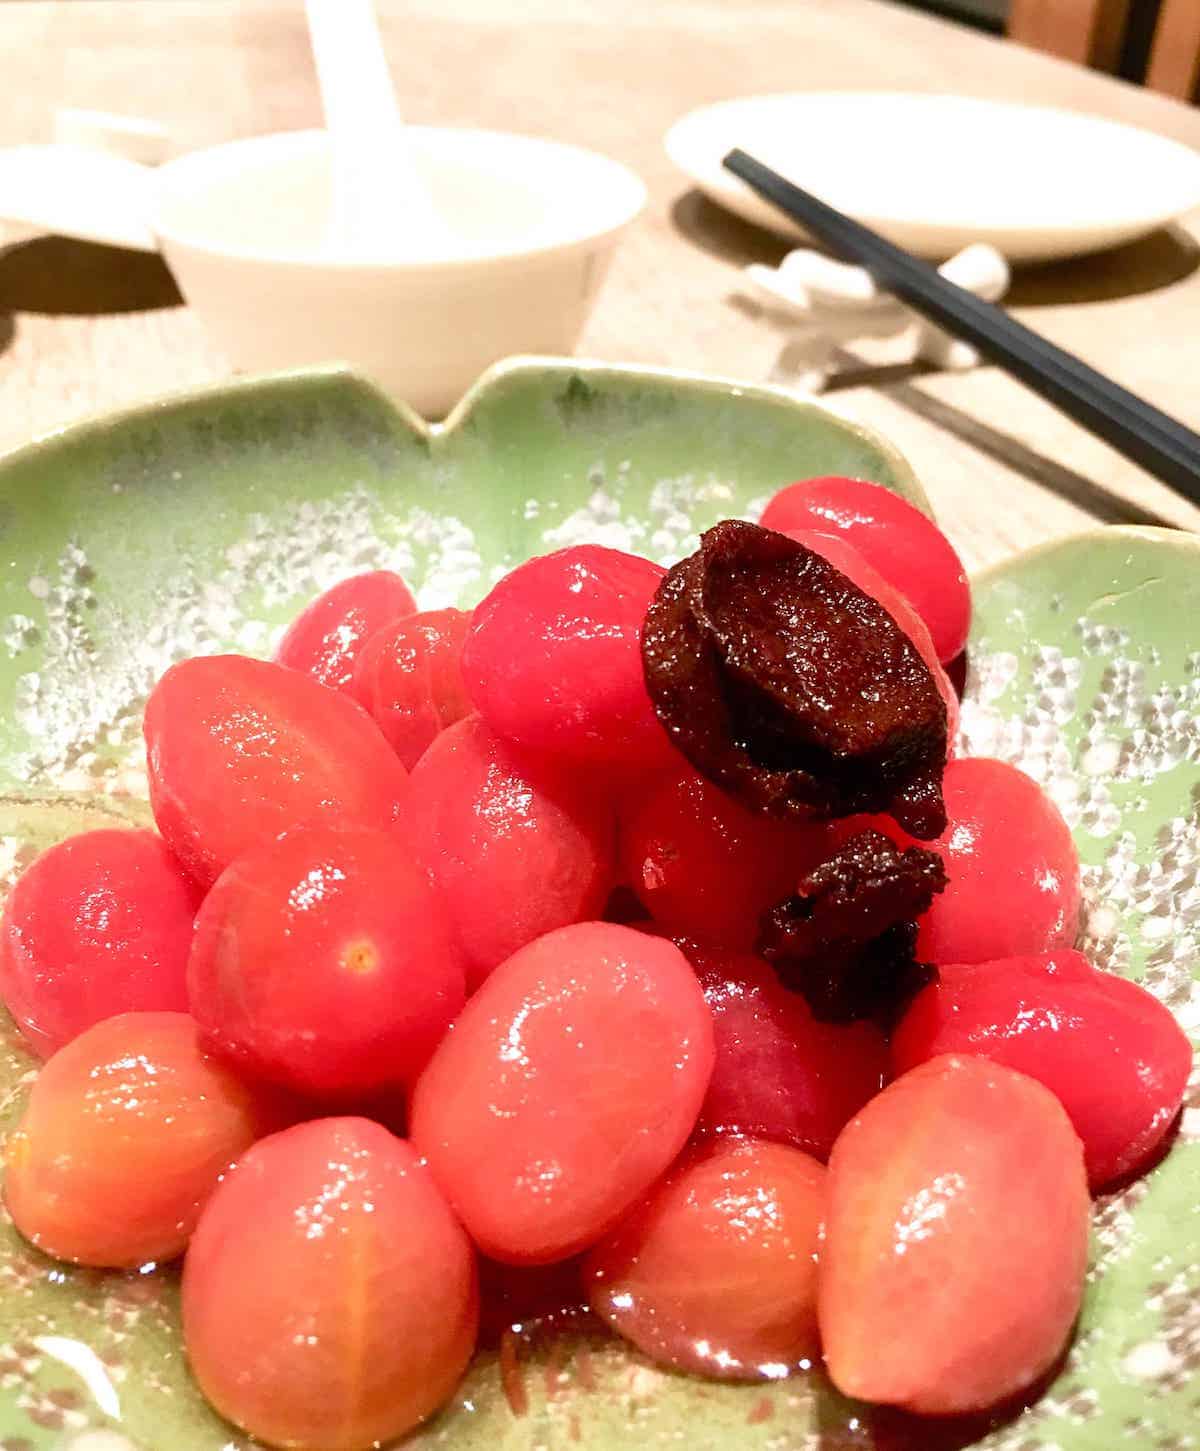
{"x":836,"y":302}
{"x":979,"y":269}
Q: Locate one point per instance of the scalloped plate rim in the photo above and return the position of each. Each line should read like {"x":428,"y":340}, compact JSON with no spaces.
{"x":1182,"y":539}
{"x":436,"y":433}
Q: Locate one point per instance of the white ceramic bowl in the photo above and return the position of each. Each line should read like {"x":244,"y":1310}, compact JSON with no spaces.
{"x":242,"y":227}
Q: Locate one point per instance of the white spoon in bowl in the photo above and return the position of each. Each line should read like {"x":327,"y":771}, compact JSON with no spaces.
{"x":381,"y":205}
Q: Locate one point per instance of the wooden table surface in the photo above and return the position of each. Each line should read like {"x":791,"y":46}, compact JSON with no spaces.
{"x":85,"y":328}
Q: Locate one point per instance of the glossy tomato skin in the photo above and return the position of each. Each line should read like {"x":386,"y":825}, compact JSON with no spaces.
{"x":98,"y":925}
{"x":703,"y":865}
{"x":517,"y":846}
{"x":126,"y":1132}
{"x":575,"y":686}
{"x":325,"y":962}
{"x":779,"y":1074}
{"x":330,"y":1298}
{"x":1111,"y":1053}
{"x":905,"y":546}
{"x":844,"y":557}
{"x":956,"y":1239}
{"x":570,"y":1081}
{"x":1012,"y":865}
{"x":326,"y":639}
{"x":409,"y":679}
{"x":715,"y":1271}
{"x":239,"y":750}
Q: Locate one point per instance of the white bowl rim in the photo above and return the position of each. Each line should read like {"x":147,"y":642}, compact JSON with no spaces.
{"x":615,"y":196}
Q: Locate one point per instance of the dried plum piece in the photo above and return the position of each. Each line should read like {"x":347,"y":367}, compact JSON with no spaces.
{"x":875,"y":980}
{"x":783,"y":682}
{"x":868,"y":884}
{"x":846,"y":939}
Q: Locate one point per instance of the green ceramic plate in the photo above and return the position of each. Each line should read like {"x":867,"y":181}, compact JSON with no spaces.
{"x":203,"y":524}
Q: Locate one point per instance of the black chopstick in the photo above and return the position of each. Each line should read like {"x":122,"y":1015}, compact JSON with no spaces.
{"x":1144,"y":434}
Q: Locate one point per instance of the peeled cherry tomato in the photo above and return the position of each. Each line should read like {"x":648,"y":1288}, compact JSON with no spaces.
{"x":126,"y":1132}
{"x":553,"y":659}
{"x":516,"y":845}
{"x":895,"y":538}
{"x":324,"y":961}
{"x":715,"y":1271}
{"x":571,"y":1080}
{"x":327,"y":638}
{"x":98,"y":925}
{"x":409,"y":679}
{"x":1013,"y":869}
{"x":1112,"y":1054}
{"x":956,"y":1239}
{"x":239,"y":750}
{"x":705,"y":866}
{"x":779,"y":1073}
{"x":330,"y":1298}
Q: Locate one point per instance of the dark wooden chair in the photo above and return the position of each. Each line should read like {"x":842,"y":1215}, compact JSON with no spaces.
{"x":1103,"y":33}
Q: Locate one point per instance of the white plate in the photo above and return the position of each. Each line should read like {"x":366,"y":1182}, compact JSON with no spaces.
{"x":935,"y":173}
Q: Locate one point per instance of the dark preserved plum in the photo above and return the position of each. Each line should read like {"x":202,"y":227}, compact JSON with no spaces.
{"x":783,"y":682}
{"x":846,"y":939}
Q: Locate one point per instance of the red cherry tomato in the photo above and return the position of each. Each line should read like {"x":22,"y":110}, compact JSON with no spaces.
{"x":905,"y":546}
{"x":703,"y":865}
{"x":571,"y":1080}
{"x":1013,"y":869}
{"x":327,"y":638}
{"x":330,"y":1298}
{"x":779,"y":1073}
{"x":98,"y":925}
{"x":127,"y":1130}
{"x":516,"y":845}
{"x":324,"y":961}
{"x":409,"y":679}
{"x":956,"y":1239}
{"x":715,"y":1271}
{"x":1111,"y":1052}
{"x":239,"y":750}
{"x":574,"y":686}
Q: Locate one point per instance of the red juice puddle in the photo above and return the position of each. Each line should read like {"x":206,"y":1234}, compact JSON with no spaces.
{"x":585,"y":1371}
{"x":538,"y":1310}
{"x":512,"y":1378}
{"x":552,"y":1371}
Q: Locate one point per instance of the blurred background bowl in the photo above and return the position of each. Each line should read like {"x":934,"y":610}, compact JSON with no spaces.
{"x":242,"y":226}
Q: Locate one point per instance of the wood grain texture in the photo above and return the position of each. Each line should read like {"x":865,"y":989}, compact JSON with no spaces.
{"x":1174,"y":65}
{"x":83,"y":330}
{"x":1088,"y":32}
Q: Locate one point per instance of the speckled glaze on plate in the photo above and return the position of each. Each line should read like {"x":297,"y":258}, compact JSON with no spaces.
{"x":203,"y":523}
